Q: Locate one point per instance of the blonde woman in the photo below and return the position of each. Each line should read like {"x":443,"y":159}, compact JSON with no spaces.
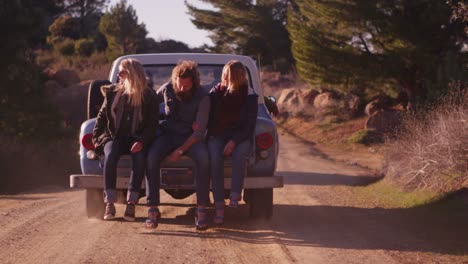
{"x":126,"y":124}
{"x":230,"y":132}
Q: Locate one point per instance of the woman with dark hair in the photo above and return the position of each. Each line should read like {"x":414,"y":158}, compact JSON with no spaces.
{"x":230,"y":132}
{"x":126,"y":124}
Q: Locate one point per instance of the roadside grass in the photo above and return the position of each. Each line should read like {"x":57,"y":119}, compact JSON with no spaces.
{"x":386,"y":194}
{"x":365,"y":137}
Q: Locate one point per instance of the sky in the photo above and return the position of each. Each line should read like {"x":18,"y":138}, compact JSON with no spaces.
{"x":168,"y":19}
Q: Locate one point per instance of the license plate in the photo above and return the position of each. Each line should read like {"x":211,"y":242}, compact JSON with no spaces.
{"x":177,"y":177}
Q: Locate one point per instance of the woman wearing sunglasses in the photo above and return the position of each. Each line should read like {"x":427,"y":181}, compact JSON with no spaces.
{"x":126,"y":124}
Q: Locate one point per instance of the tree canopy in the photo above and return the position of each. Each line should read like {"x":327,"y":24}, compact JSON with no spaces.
{"x":409,"y":45}
{"x":121,"y":28}
{"x":23,"y":109}
{"x":245,"y":27}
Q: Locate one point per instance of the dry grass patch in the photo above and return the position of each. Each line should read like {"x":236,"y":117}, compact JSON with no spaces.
{"x":432,"y":150}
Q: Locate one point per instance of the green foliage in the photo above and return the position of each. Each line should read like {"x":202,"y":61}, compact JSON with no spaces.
{"x":84,"y":8}
{"x":24,"y":111}
{"x":387,"y":194}
{"x":365,"y":137}
{"x":66,"y":47}
{"x":123,"y":32}
{"x":84,"y":47}
{"x":407,"y":45}
{"x":81,"y":22}
{"x":257,"y":30}
{"x":62,"y":28}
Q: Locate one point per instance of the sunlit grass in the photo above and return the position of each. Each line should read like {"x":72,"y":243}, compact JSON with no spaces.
{"x":389,"y":195}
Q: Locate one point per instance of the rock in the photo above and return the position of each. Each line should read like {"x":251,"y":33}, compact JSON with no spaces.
{"x":352,"y":103}
{"x":325,"y":100}
{"x":309,"y":96}
{"x":65,"y":77}
{"x":290,"y":101}
{"x":385,"y":121}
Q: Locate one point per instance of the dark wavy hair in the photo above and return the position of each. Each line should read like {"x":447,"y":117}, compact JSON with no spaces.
{"x":186,"y":69}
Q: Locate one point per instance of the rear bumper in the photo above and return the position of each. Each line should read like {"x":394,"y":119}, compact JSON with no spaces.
{"x":91,"y":181}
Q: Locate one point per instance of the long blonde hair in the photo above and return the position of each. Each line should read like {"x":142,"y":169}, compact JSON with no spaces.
{"x":134,"y":84}
{"x":234,"y":76}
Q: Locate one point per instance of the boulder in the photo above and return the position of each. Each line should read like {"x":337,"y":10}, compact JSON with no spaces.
{"x":385,"y":121}
{"x":290,"y":101}
{"x":326,"y":100}
{"x":65,"y":77}
{"x":309,"y":96}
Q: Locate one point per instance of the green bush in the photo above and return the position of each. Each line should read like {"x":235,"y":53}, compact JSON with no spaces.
{"x":66,"y":47}
{"x":84,"y":47}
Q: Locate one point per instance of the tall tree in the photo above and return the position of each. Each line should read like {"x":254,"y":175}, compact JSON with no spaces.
{"x":84,"y":8}
{"x":121,"y":28}
{"x":24,"y":109}
{"x":254,"y":28}
{"x":405,"y":44}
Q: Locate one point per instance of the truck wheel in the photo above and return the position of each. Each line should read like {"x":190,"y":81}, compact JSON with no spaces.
{"x":260,"y":203}
{"x":95,"y":206}
{"x":95,"y":97}
{"x":179,"y":193}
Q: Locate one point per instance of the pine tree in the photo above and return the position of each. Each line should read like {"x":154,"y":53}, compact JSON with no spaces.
{"x":123,"y":32}
{"x":84,"y":8}
{"x":242,"y":26}
{"x":406,"y":45}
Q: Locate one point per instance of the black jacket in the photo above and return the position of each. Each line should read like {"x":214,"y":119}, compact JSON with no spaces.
{"x":245,"y":128}
{"x":105,"y":128}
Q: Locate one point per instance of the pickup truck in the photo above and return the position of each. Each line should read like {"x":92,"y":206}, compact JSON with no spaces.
{"x":177,"y":178}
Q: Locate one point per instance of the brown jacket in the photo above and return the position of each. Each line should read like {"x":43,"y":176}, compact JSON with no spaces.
{"x":107,"y":121}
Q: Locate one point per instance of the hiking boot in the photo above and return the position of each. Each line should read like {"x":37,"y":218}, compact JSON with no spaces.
{"x":110,"y":212}
{"x":130,"y":212}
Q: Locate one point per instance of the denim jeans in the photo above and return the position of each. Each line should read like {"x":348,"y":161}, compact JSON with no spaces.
{"x":240,"y":155}
{"x":160,"y":149}
{"x":112,"y":151}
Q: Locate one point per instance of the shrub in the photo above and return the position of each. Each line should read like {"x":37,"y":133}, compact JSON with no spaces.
{"x":66,"y":47}
{"x":432,"y":150}
{"x":84,"y":47}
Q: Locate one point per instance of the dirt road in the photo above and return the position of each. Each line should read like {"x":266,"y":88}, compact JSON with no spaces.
{"x":50,"y":226}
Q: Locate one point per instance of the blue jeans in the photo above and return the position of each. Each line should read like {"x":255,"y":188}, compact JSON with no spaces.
{"x":160,"y":149}
{"x":240,"y":155}
{"x":112,"y":151}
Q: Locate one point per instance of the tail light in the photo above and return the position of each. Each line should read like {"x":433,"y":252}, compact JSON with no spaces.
{"x":87,"y":141}
{"x":264,"y":141}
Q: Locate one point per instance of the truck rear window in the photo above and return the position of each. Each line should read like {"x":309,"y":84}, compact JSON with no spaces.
{"x":210,"y":75}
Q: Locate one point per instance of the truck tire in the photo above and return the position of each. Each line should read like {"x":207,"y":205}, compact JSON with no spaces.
{"x":179,"y":193}
{"x":95,"y":97}
{"x":95,"y":206}
{"x":260,"y":203}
